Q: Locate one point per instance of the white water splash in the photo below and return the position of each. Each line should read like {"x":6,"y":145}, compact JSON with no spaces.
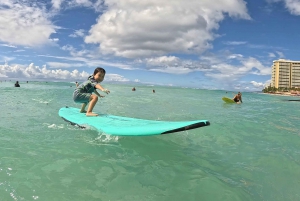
{"x":54,"y":126}
{"x":104,"y":139}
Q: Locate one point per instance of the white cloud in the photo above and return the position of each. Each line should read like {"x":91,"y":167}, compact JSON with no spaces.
{"x":235,"y":56}
{"x":65,"y":4}
{"x":172,"y":65}
{"x":36,"y":72}
{"x":231,"y":68}
{"x":64,"y":65}
{"x":76,"y":53}
{"x":54,"y":39}
{"x":92,"y":62}
{"x":99,"y":5}
{"x":172,"y":70}
{"x":86,"y":3}
{"x":77,"y":33}
{"x":56,"y":4}
{"x":223,"y":66}
{"x":235,"y":42}
{"x":149,"y":28}
{"x":7,"y":45}
{"x":280,"y":54}
{"x":116,"y":77}
{"x":267,"y":83}
{"x":293,"y":6}
{"x":6,"y":58}
{"x":257,"y":84}
{"x":19,"y":51}
{"x":272,"y":55}
{"x":162,"y":61}
{"x":24,"y":23}
{"x":68,"y":48}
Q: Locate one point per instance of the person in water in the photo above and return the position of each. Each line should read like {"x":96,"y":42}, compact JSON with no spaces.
{"x":133,"y":89}
{"x":238,"y":98}
{"x":84,"y":92}
{"x":17,"y":84}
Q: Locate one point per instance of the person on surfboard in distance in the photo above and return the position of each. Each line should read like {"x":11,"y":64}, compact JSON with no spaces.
{"x":238,"y":98}
{"x":17,"y":84}
{"x":84,"y":92}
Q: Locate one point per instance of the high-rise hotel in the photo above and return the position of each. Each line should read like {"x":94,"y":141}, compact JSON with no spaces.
{"x":285,"y":74}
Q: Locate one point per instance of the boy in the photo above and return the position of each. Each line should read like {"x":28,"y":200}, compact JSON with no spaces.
{"x":84,"y":92}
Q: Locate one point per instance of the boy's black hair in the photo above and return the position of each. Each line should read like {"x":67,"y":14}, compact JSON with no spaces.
{"x":99,"y":69}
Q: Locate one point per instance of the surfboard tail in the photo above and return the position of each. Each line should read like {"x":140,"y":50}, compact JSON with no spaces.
{"x":189,"y":127}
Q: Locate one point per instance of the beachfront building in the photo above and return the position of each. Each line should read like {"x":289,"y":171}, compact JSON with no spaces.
{"x":285,"y":74}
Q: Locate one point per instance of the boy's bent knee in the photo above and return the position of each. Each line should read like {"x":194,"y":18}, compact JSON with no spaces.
{"x":94,"y":97}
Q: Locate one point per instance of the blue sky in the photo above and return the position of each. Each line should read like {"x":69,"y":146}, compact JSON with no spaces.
{"x":220,"y":44}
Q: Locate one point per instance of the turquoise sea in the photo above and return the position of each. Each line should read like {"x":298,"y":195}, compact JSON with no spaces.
{"x":249,"y":152}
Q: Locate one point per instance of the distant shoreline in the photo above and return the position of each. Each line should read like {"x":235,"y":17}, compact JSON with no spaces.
{"x":285,"y":94}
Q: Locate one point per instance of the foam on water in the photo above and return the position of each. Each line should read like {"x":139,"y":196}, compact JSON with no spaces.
{"x":42,"y":101}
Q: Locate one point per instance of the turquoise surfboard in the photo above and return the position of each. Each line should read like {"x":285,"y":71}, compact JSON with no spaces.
{"x":227,"y":100}
{"x":117,"y":125}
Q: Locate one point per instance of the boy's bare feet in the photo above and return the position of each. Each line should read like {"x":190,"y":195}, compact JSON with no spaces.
{"x":82,"y":111}
{"x":90,"y":114}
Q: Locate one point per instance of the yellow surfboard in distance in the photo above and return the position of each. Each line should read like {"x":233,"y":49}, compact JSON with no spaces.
{"x":227,"y":100}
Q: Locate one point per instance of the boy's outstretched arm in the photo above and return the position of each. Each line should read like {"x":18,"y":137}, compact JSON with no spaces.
{"x":98,"y":86}
{"x":96,"y":92}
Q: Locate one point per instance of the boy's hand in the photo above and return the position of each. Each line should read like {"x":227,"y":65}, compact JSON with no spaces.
{"x":106,"y":91}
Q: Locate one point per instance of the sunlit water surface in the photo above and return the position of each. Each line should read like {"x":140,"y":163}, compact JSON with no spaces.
{"x":250,"y":151}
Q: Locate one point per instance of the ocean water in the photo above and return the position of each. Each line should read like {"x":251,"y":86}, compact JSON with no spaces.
{"x":250,"y":151}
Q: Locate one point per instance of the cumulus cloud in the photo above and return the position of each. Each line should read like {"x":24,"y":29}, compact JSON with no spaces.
{"x":267,"y":83}
{"x":24,"y":23}
{"x":293,"y":6}
{"x":36,"y":72}
{"x":257,"y":84}
{"x":153,"y":28}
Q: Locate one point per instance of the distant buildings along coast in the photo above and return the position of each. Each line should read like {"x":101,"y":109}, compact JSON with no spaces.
{"x":285,"y":74}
